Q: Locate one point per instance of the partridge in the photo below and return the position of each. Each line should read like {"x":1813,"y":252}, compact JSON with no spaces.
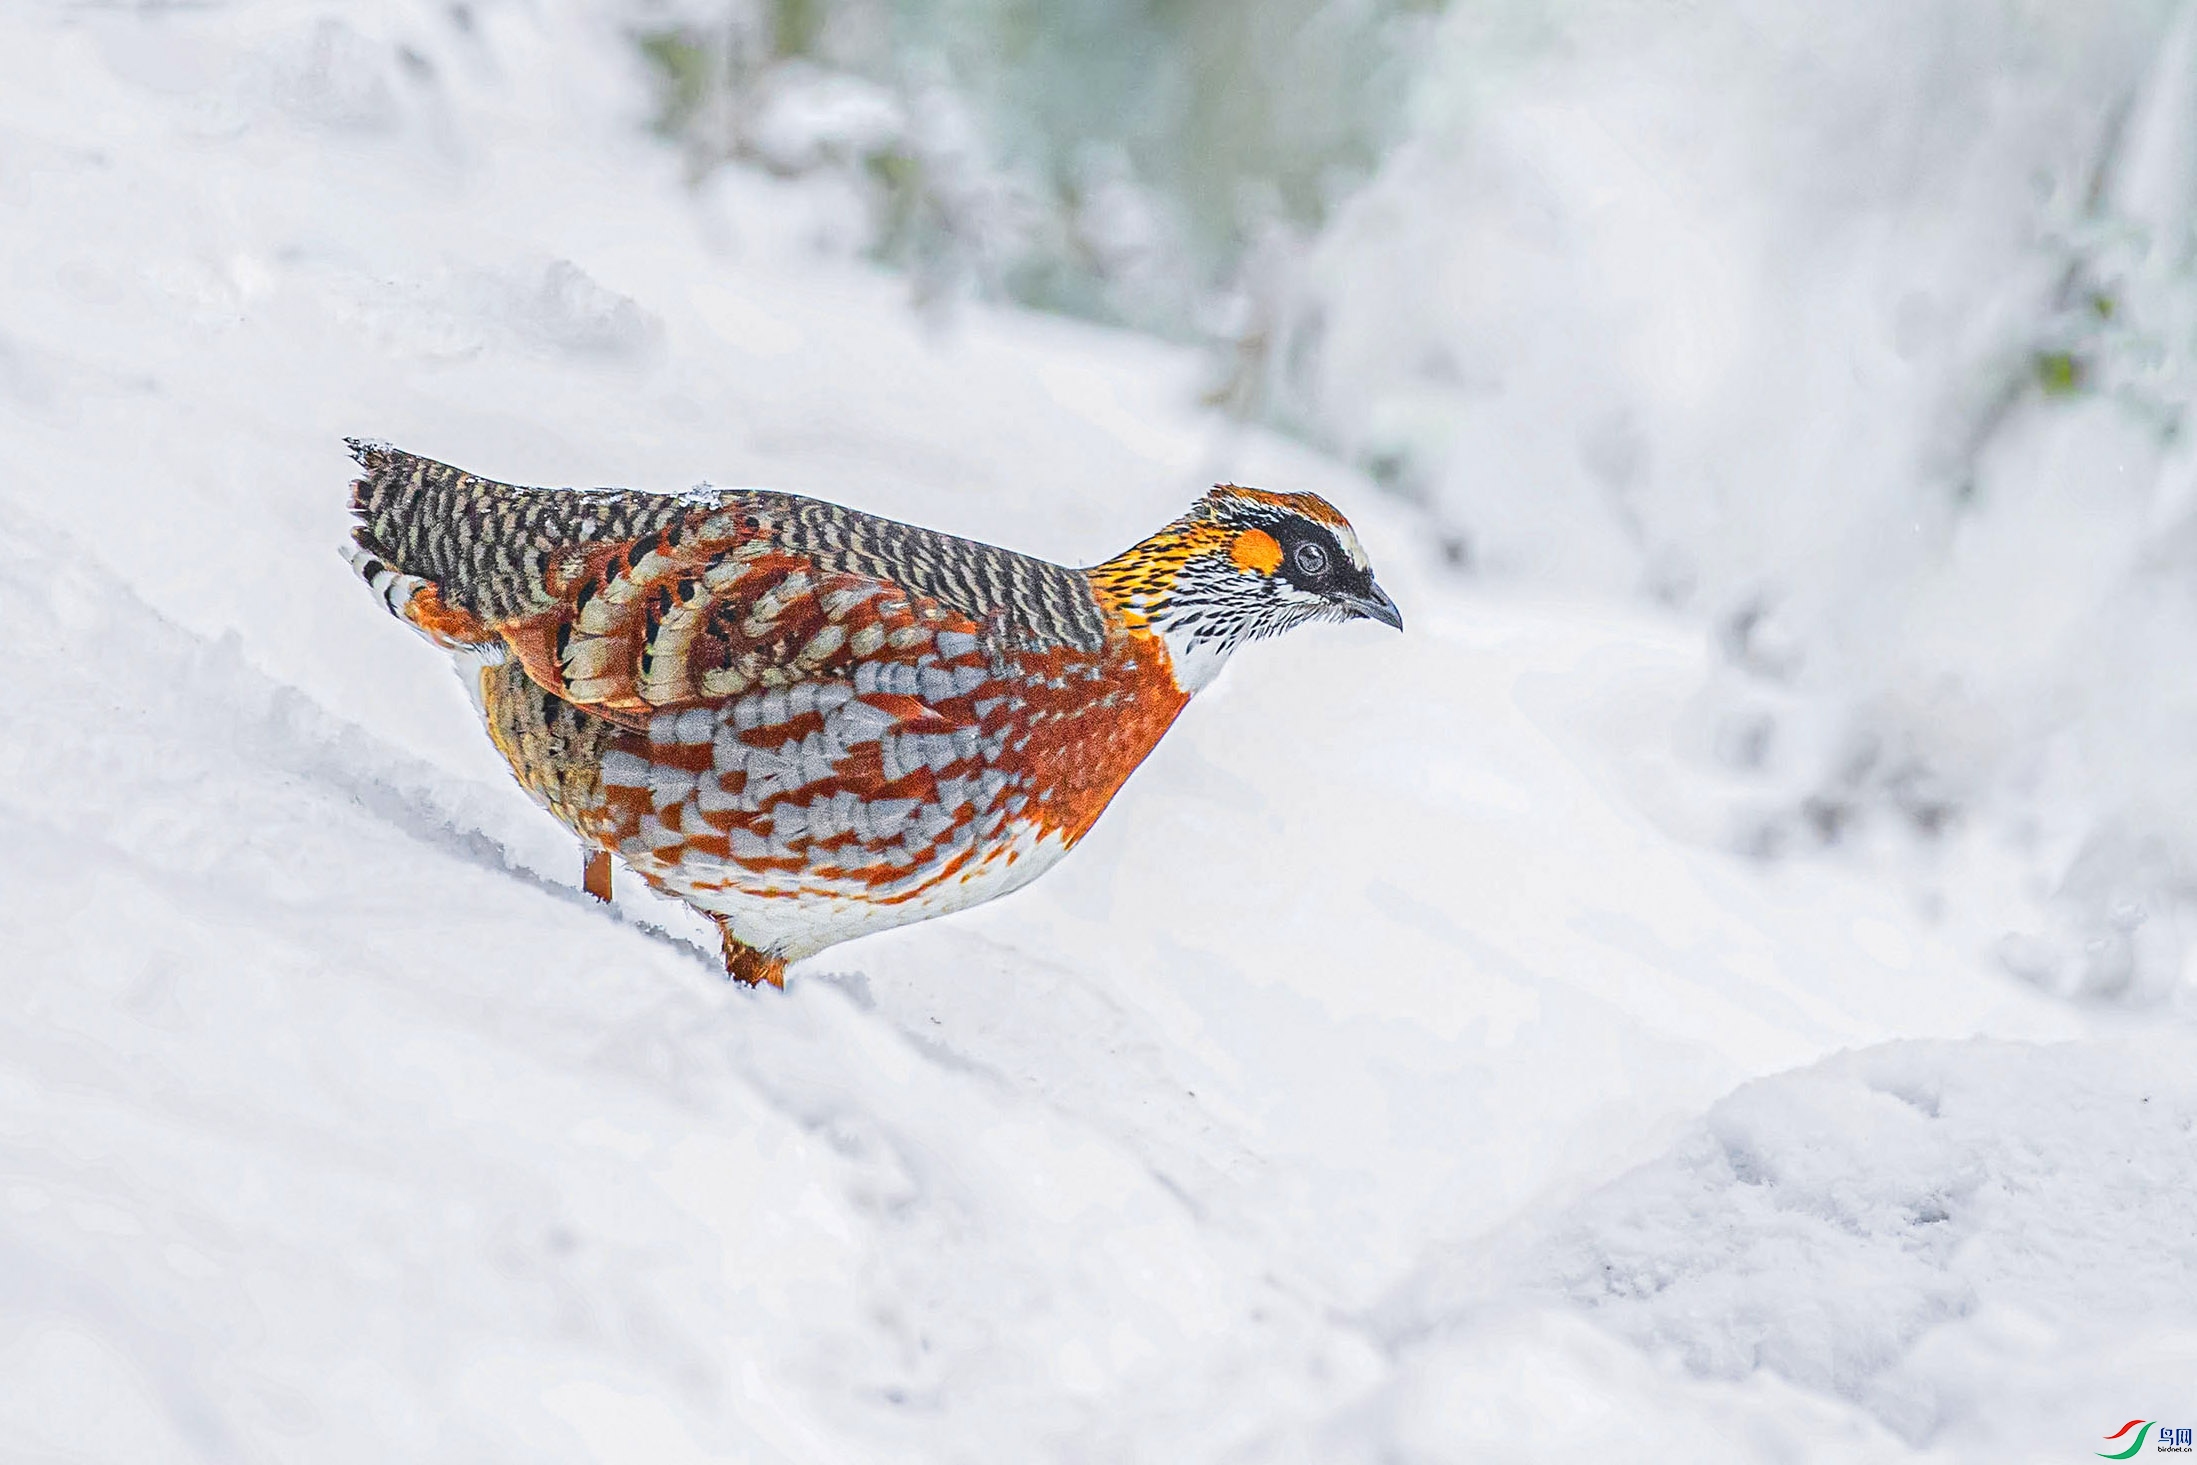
{"x":811,"y":723}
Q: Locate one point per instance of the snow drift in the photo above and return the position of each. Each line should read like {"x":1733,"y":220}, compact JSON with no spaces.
{"x":1863,"y":333}
{"x":335,"y":1123}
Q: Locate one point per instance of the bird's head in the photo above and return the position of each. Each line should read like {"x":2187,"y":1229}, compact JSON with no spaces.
{"x":1242,"y":564}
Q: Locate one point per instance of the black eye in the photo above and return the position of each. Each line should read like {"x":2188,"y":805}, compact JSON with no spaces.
{"x":1311,"y":560}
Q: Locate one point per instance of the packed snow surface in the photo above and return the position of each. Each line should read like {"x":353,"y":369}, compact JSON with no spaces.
{"x":1386,"y":1078}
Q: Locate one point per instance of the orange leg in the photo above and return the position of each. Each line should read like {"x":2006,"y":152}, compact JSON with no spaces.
{"x":743,"y":963}
{"x":595,"y":874}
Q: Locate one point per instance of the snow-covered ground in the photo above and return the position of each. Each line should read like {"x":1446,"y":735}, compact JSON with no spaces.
{"x":1865,"y":330}
{"x":1390,"y":1077}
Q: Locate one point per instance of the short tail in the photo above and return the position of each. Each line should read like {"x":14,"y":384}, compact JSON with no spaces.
{"x":481,"y":547}
{"x":395,"y":588}
{"x":418,"y":517}
{"x":411,"y":543}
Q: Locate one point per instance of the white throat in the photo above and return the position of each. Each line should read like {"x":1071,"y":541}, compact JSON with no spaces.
{"x":1194,"y":660}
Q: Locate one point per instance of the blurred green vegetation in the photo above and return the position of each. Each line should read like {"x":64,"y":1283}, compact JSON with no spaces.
{"x":1104,"y":138}
{"x":2059,"y":373}
{"x":796,"y":26}
{"x":682,"y":67}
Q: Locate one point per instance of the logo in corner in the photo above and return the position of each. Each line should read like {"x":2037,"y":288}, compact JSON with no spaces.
{"x":2172,"y":1441}
{"x":2142,"y":1428}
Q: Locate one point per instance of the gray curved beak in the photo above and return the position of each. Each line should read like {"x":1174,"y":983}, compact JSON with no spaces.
{"x":1375,"y":605}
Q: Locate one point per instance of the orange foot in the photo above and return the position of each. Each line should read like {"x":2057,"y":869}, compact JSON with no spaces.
{"x":595,"y":874}
{"x":743,"y":963}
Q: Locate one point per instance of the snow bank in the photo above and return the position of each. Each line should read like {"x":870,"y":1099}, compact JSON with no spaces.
{"x":1974,"y":1242}
{"x":336,"y":1124}
{"x":1862,"y":331}
{"x":1991,"y":1199}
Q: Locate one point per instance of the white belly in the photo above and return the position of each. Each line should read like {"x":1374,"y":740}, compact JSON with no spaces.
{"x":797,"y":914}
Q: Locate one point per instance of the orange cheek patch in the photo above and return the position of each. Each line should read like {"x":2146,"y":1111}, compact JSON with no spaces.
{"x":1256,"y":551}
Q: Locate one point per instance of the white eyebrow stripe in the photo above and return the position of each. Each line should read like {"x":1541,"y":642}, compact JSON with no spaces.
{"x":1348,"y":539}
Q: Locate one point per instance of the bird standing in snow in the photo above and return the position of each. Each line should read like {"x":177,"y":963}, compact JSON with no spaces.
{"x":811,"y":723}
